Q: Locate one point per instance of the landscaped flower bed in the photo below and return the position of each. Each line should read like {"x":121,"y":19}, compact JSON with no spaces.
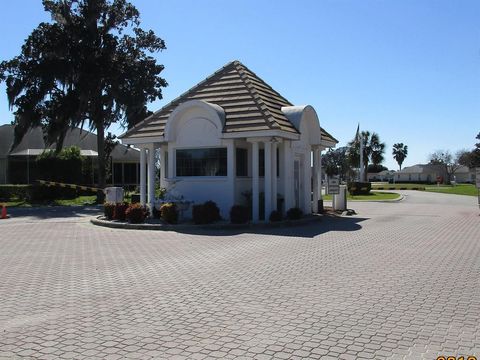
{"x":207,"y":214}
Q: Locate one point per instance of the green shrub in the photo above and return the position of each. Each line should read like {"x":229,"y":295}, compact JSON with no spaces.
{"x":49,"y":193}
{"x":275,"y":216}
{"x":294,"y":213}
{"x":108,"y":210}
{"x":136,"y":213}
{"x":359,"y":188}
{"x":38,"y":193}
{"x":156,"y":213}
{"x":168,"y":212}
{"x":18,"y":192}
{"x":119,"y":211}
{"x":239,"y":214}
{"x":159,"y":191}
{"x":205,"y":213}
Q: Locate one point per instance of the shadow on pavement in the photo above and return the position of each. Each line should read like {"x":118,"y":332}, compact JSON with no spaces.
{"x":52,"y":212}
{"x":326,"y":224}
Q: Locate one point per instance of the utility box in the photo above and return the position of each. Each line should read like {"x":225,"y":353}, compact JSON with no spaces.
{"x":340,"y":200}
{"x":114,"y":195}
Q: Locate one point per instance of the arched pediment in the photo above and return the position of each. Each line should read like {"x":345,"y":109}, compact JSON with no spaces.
{"x":191,"y":111}
{"x":305,"y":120}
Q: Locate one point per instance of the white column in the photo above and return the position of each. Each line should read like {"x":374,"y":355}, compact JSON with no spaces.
{"x":171,"y":161}
{"x":231,"y":172}
{"x":274,"y":176}
{"x":143,"y":152}
{"x":268,"y":179}
{"x":315,"y":180}
{"x":307,"y":183}
{"x":320,"y":175}
{"x":255,"y":182}
{"x":151,"y":176}
{"x":162,"y":166}
{"x":287,"y":175}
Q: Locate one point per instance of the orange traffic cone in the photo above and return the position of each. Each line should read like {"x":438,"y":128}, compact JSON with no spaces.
{"x":4,"y":212}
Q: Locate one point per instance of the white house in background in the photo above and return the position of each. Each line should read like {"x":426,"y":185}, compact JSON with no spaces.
{"x":465,"y":175}
{"x":429,"y":173}
{"x":384,"y":175}
{"x":229,"y":135}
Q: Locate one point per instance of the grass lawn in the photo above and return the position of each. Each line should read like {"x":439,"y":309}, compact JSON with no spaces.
{"x":81,"y":200}
{"x":460,"y":189}
{"x":373,"y":196}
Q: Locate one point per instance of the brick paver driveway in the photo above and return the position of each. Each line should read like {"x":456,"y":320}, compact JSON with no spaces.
{"x":399,"y":280}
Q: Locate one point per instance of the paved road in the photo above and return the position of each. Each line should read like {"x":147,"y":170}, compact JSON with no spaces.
{"x":399,"y":280}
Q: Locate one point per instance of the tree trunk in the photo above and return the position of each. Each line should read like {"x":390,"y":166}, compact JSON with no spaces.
{"x":365,"y":171}
{"x":101,"y":162}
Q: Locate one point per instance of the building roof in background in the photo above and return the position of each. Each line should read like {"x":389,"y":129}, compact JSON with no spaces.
{"x":429,"y":168}
{"x":36,"y":152}
{"x":249,"y":103}
{"x":33,"y":144}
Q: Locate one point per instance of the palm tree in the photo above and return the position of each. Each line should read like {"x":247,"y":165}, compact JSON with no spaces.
{"x":400,"y":152}
{"x":373,"y":150}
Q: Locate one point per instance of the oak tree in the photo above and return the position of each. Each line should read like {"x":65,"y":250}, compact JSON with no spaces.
{"x":91,"y":65}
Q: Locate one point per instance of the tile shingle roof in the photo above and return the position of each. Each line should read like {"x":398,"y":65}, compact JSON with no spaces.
{"x":249,"y":103}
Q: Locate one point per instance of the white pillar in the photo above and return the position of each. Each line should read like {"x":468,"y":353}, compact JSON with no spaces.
{"x":171,"y":161}
{"x":288,"y":175}
{"x":320,"y":174}
{"x":142,"y":176}
{"x":255,"y":182}
{"x":307,"y":183}
{"x":162,"y":166}
{"x":231,"y":173}
{"x":268,"y":179}
{"x":151,"y":177}
{"x":274,"y":176}
{"x":315,"y":180}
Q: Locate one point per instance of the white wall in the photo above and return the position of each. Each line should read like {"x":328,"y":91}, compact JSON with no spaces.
{"x":302,"y":149}
{"x":194,"y":130}
{"x":201,"y":189}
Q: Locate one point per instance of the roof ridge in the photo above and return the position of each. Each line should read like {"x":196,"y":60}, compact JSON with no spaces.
{"x":268,"y":86}
{"x":151,"y":118}
{"x":253,"y":91}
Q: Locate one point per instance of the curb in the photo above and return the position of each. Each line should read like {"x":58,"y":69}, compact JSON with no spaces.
{"x":401,"y":198}
{"x":167,"y":227}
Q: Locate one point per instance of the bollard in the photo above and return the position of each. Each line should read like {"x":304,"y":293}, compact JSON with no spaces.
{"x":4,"y":214}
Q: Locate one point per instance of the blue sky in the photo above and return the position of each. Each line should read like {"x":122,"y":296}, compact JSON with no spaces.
{"x":409,"y":70}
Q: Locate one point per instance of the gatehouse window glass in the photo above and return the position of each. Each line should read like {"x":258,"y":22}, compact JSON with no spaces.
{"x":201,"y":162}
{"x":117,"y":173}
{"x":130,"y":173}
{"x":261,"y":162}
{"x":241,"y":161}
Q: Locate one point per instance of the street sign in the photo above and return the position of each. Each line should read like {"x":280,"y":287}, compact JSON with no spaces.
{"x":333,"y":185}
{"x":477,"y":174}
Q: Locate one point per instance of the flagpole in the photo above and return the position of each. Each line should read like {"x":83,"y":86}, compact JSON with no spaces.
{"x":361,"y":160}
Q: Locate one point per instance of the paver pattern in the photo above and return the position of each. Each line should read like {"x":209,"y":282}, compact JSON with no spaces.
{"x":397,"y":281}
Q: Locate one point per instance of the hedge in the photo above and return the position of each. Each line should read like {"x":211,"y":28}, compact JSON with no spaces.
{"x":359,"y":188}
{"x":35,"y":193}
{"x":206,"y":213}
{"x":10,"y":192}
